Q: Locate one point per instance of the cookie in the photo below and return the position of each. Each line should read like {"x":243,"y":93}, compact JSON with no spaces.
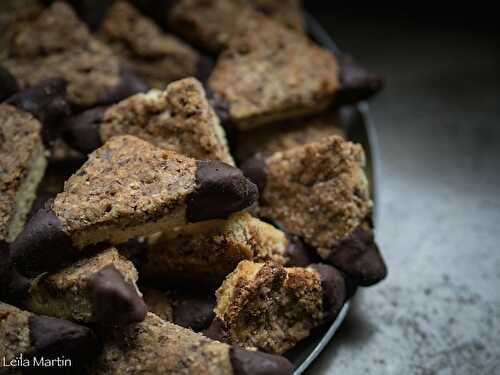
{"x":269,"y":73}
{"x":156,"y":57}
{"x":22,"y":165}
{"x":186,"y":308}
{"x":208,"y":251}
{"x":320,"y":193}
{"x":23,"y":334}
{"x":128,"y":188}
{"x":305,"y":77}
{"x":47,"y":102}
{"x":210,"y":24}
{"x":178,"y":118}
{"x":284,"y":135}
{"x":99,"y":289}
{"x":268,"y":307}
{"x":158,"y":347}
{"x":54,"y":43}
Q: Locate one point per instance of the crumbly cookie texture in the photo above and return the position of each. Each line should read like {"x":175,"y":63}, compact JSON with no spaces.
{"x":211,"y":23}
{"x":54,"y":43}
{"x":14,"y":332}
{"x":304,"y":76}
{"x":208,"y":251}
{"x":127,"y":185}
{"x":156,"y":57}
{"x":67,"y":294}
{"x":269,"y":307}
{"x":179,"y":118}
{"x":22,"y":165}
{"x":288,"y":134}
{"x":318,"y":191}
{"x":158,"y":347}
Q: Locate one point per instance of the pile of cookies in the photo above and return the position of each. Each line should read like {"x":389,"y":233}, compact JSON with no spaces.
{"x":178,"y":194}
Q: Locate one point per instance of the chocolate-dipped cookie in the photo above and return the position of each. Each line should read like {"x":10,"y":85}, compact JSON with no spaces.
{"x":22,"y":165}
{"x":178,"y":118}
{"x":320,"y":193}
{"x":99,"y":289}
{"x":208,"y":251}
{"x":54,"y":43}
{"x":209,"y":24}
{"x":156,"y":57}
{"x":128,"y":188}
{"x":24,"y":334}
{"x":158,"y":347}
{"x":271,"y":308}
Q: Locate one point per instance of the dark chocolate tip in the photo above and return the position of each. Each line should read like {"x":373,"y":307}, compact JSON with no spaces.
{"x":204,"y":68}
{"x":8,"y":84}
{"x":46,"y":102}
{"x":359,"y":257}
{"x":217,"y":331}
{"x":115,"y":301}
{"x":297,"y":253}
{"x":220,"y":190}
{"x":56,"y":338}
{"x":356,"y":83}
{"x":334,"y":289}
{"x":220,"y":106}
{"x":247,"y":362}
{"x":130,"y":84}
{"x":5,"y":268}
{"x":43,"y":245}
{"x":255,"y":170}
{"x":195,"y":312}
{"x":81,"y":132}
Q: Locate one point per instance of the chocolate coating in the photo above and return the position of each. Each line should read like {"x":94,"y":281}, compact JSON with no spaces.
{"x":195,"y":312}
{"x":359,"y":257}
{"x":220,"y":190}
{"x":216,"y":331}
{"x":81,"y":132}
{"x":334,"y":289}
{"x":115,"y":300}
{"x":57,"y":338}
{"x":129,"y":85}
{"x":255,"y":170}
{"x":8,"y":84}
{"x":5,"y":267}
{"x":297,"y":253}
{"x":43,"y":245}
{"x":46,"y":102}
{"x":356,"y":83}
{"x":246,"y":362}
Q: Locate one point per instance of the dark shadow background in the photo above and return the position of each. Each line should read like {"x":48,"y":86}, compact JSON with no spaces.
{"x":438,"y":124}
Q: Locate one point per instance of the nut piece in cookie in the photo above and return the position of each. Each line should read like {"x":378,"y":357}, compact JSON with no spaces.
{"x":272,"y":308}
{"x":54,"y":43}
{"x":156,"y":57}
{"x":100,"y":289}
{"x":259,"y":87}
{"x":31,"y":335}
{"x":208,"y":251}
{"x":22,"y":165}
{"x":285,"y":135}
{"x":210,"y":24}
{"x":158,"y":347}
{"x":184,"y":307}
{"x":320,"y":193}
{"x":179,"y":119}
{"x":128,"y":188}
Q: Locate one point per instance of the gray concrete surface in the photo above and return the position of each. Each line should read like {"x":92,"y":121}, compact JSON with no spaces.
{"x":438,"y":123}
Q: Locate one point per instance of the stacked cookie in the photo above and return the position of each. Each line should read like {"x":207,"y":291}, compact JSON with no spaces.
{"x":170,"y":211}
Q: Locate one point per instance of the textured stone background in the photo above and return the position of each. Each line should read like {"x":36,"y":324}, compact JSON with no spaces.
{"x":438,"y":123}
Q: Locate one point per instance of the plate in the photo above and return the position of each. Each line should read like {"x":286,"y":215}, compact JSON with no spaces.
{"x":361,"y":131}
